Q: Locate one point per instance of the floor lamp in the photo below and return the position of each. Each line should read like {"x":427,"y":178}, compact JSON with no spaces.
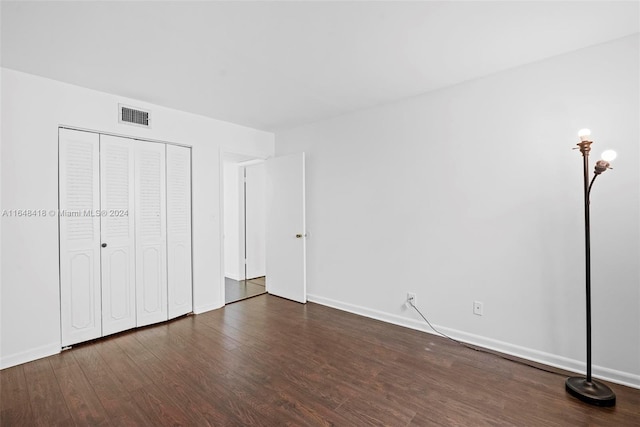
{"x":587,"y":389}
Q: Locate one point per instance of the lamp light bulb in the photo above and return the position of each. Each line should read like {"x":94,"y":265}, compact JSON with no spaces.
{"x":584,"y":134}
{"x":609,"y":155}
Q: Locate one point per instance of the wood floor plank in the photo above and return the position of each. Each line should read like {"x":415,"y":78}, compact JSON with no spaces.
{"x":122,"y":366}
{"x":268,"y":392}
{"x":179,"y":382}
{"x":268,"y":361}
{"x":20,"y":415}
{"x":62,"y":360}
{"x":45,"y":397}
{"x":13,"y":388}
{"x":113,"y":395}
{"x":15,"y":408}
{"x":206,"y":375}
{"x":159,"y":408}
{"x":372,"y":409}
{"x":83,"y":404}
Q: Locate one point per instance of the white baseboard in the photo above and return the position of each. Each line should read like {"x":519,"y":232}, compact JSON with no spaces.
{"x":30,"y":355}
{"x":55,"y":348}
{"x":607,"y":374}
{"x":204,"y":308}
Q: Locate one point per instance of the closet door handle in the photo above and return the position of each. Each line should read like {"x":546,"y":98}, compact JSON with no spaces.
{"x":104,"y":245}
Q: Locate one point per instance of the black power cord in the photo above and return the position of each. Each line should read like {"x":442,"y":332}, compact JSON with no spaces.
{"x":482,"y":350}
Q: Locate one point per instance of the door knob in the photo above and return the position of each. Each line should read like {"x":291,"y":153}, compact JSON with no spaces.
{"x":104,"y":245}
{"x":300,"y":236}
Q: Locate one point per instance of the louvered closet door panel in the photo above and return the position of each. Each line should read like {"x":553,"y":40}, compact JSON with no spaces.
{"x":117,"y":231}
{"x":151,"y":228}
{"x":79,"y":201}
{"x":179,"y":230}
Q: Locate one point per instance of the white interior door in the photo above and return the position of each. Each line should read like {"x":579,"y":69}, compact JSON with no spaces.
{"x":179,"y":230}
{"x":151,"y":233}
{"x":286,"y":228}
{"x":79,"y":201}
{"x":117,"y":231}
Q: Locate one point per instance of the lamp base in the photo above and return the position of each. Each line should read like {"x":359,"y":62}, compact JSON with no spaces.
{"x":594,"y":392}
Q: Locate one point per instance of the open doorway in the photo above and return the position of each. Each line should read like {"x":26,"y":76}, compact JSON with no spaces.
{"x":244,"y":227}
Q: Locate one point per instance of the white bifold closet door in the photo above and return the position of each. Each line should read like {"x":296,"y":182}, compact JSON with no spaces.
{"x":118,"y":234}
{"x":179,"y":230}
{"x":79,"y":202}
{"x":151,"y":233}
{"x":125,"y":234}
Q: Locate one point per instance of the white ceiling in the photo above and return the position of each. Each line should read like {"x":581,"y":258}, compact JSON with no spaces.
{"x":275,"y":65}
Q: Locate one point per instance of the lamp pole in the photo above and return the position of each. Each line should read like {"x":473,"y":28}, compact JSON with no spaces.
{"x":587,"y":389}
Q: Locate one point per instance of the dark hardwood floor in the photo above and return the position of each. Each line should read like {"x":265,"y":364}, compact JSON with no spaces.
{"x":237,"y":290}
{"x":268,"y":361}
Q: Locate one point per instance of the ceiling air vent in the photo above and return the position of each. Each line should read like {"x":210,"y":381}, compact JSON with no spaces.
{"x":134,"y":116}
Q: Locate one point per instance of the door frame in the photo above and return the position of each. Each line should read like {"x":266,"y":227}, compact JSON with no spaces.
{"x":252,"y":157}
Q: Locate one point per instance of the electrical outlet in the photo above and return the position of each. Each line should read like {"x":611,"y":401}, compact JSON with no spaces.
{"x":477,"y":308}
{"x":411,"y":298}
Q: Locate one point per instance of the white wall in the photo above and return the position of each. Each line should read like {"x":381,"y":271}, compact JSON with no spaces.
{"x":474,"y":193}
{"x":256,"y":220}
{"x":32,"y":110}
{"x":232,"y":218}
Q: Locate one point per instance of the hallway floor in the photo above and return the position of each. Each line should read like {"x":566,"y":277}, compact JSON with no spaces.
{"x":238,"y":290}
